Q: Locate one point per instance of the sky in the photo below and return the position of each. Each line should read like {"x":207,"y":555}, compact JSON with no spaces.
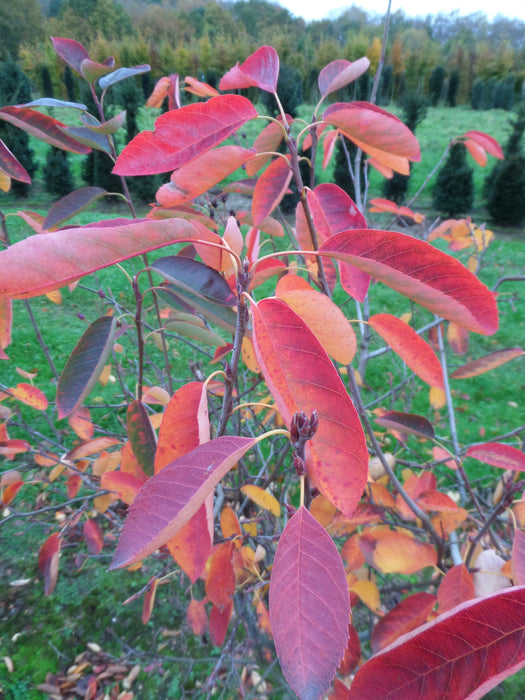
{"x":323,"y":9}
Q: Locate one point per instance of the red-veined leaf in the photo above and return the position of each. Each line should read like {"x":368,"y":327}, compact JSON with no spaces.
{"x":71,"y":205}
{"x":84,"y":365}
{"x":488,"y":143}
{"x":486,"y":363}
{"x":309,"y":606}
{"x":48,"y":557}
{"x":416,"y":269}
{"x":183,"y":134}
{"x":396,"y":551}
{"x":377,"y":132}
{"x":456,"y":587}
{"x":30,"y":395}
{"x":42,"y":126}
{"x":70,"y":51}
{"x":270,"y":188}
{"x":261,"y":70}
{"x":121,"y":74}
{"x":518,"y":557}
{"x":11,"y":166}
{"x":498,"y":455}
{"x":168,"y":500}
{"x":195,"y":277}
{"x":410,"y":613}
{"x":201,"y":174}
{"x":219,"y":621}
{"x":10,"y":448}
{"x":411,"y":348}
{"x":458,"y":338}
{"x":406,"y":423}
{"x":196,"y":617}
{"x":324,"y":318}
{"x":220,"y":580}
{"x":141,"y":436}
{"x":301,"y":377}
{"x":40,"y":264}
{"x":149,"y":601}
{"x":93,"y":536}
{"x":352,"y":653}
{"x":86,"y":449}
{"x":459,"y":656}
{"x":262,"y":498}
{"x":339,"y":73}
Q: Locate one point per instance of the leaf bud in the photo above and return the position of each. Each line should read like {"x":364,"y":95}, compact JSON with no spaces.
{"x":299,"y":465}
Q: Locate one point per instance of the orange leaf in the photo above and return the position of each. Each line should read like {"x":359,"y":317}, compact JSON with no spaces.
{"x":81,"y":423}
{"x":396,"y":551}
{"x":220,"y":581}
{"x":30,"y":395}
{"x":196,"y":617}
{"x":476,"y":151}
{"x":410,"y":347}
{"x":125,"y":485}
{"x":488,"y":143}
{"x":149,"y":601}
{"x":230,"y":526}
{"x":48,"y":561}
{"x":219,"y":621}
{"x":486,"y":363}
{"x":6,"y":319}
{"x":458,"y":338}
{"x":368,"y":593}
{"x":456,"y":587}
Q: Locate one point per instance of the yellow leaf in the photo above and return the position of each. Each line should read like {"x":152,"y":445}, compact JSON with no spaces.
{"x":368,"y":593}
{"x":262,"y":498}
{"x":104,"y":375}
{"x":5,"y":182}
{"x":437,"y":398}
{"x":55,"y":296}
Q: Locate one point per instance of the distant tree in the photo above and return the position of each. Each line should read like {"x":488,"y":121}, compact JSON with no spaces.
{"x":21,"y":21}
{"x":47,"y":85}
{"x":435,"y":85}
{"x":452,"y":88}
{"x":54,"y":8}
{"x":504,"y":187}
{"x":69,"y":82}
{"x":504,"y":94}
{"x":57,"y":172}
{"x":453,"y":192}
{"x":477,"y":95}
{"x":489,"y":93}
{"x":385,"y":85}
{"x":15,"y":89}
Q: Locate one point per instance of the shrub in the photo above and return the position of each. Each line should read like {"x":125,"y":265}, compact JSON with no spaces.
{"x":453,"y":192}
{"x":239,"y":348}
{"x":57,"y":172}
{"x":452,"y":88}
{"x":436,"y":85}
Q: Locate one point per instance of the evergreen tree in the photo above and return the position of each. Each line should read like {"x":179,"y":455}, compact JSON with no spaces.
{"x":47,"y":85}
{"x":69,"y":82}
{"x":57,"y":172}
{"x":452,"y":88}
{"x":453,"y":192}
{"x":477,"y":95}
{"x":435,"y":85}
{"x":289,"y":89}
{"x":385,"y":84}
{"x":504,"y":188}
{"x":16,"y":89}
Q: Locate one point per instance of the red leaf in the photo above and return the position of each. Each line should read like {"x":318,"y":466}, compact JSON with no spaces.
{"x":410,"y":613}
{"x":183,"y":134}
{"x":126,"y":485}
{"x":48,"y":561}
{"x":410,"y":347}
{"x":84,"y":365}
{"x":486,"y":363}
{"x":6,"y":320}
{"x":196,"y":617}
{"x":458,"y":338}
{"x":270,"y":189}
{"x":339,"y":73}
{"x":406,"y":423}
{"x":456,"y":587}
{"x":488,"y":143}
{"x":10,"y":165}
{"x":220,"y":581}
{"x":518,"y":558}
{"x":71,"y":51}
{"x":71,"y":205}
{"x":334,"y":211}
{"x":459,"y":656}
{"x":422,"y":273}
{"x":301,"y":377}
{"x":30,"y":395}
{"x":141,"y":436}
{"x":93,"y":536}
{"x":498,"y":455}
{"x":192,"y":544}
{"x":168,"y":500}
{"x":8,"y":492}
{"x":40,"y":264}
{"x":309,"y":606}
{"x":42,"y":126}
{"x":261,"y":70}
{"x":376,"y":132}
{"x":201,"y":174}
{"x":268,"y":140}
{"x":219,"y":621}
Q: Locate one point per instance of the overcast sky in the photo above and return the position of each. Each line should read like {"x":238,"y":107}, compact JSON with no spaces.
{"x":322,"y":9}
